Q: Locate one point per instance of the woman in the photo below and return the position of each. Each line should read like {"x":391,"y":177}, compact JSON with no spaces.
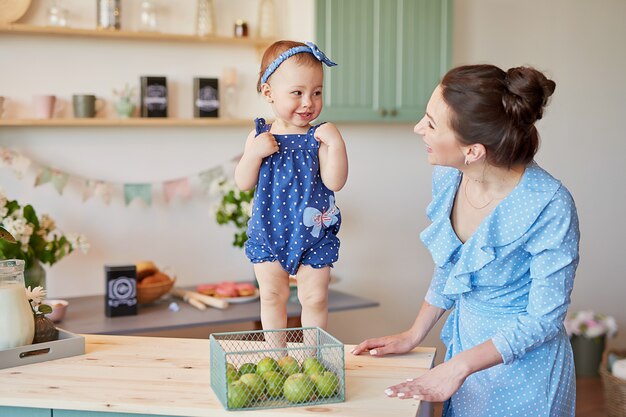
{"x":504,"y":239}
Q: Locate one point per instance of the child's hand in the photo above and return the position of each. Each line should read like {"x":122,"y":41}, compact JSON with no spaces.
{"x":328,"y":135}
{"x":264,"y":145}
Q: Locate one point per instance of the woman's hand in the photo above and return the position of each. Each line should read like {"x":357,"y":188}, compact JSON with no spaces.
{"x":438,"y":384}
{"x":381,"y":346}
{"x":263,"y":145}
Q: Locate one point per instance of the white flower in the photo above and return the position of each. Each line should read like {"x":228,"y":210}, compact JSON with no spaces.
{"x":226,"y":186}
{"x":215,"y":186}
{"x":78,"y":242}
{"x":611,"y":326}
{"x":246,"y":208}
{"x":46,"y":222}
{"x":594,"y":330}
{"x":230,"y":208}
{"x":17,"y":225}
{"x":36,"y":295}
{"x":588,"y":324}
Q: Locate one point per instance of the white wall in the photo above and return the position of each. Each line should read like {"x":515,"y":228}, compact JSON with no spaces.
{"x":577,"y":43}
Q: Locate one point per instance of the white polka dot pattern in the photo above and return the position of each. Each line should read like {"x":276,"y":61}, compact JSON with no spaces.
{"x":510,"y":283}
{"x":289,"y":186}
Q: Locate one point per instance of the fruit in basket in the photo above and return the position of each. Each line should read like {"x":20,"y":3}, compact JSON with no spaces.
{"x":247,"y":368}
{"x":145,"y":269}
{"x":239,"y":395}
{"x":299,"y":388}
{"x":232,"y":374}
{"x":274,"y":382}
{"x":289,"y":365}
{"x":326,"y":383}
{"x":312,"y":366}
{"x":255,"y":383}
{"x":152,"y":283}
{"x":267,"y":364}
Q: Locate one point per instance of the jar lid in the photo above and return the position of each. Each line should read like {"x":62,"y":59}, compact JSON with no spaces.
{"x":11,"y":267}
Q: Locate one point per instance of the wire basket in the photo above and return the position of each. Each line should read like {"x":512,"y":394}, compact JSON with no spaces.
{"x":614,"y":388}
{"x":277,"y":368}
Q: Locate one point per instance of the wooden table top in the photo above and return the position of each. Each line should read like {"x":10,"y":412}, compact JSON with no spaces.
{"x":168,"y":376}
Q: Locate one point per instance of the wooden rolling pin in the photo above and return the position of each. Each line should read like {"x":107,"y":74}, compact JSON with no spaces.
{"x":192,"y":301}
{"x":205,"y":299}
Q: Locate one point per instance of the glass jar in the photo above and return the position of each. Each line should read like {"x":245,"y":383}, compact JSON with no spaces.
{"x":267,"y":23}
{"x":109,"y":14}
{"x":57,"y":14}
{"x":205,"y":18}
{"x":241,"y":29}
{"x":17,"y":323}
{"x":148,"y":16}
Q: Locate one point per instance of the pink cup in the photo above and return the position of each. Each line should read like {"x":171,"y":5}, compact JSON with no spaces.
{"x":46,"y":106}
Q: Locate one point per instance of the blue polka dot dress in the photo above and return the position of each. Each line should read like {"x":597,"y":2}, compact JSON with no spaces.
{"x":509,"y":282}
{"x":294,"y":217}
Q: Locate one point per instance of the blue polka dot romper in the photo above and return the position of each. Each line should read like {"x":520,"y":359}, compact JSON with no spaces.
{"x":510,"y":283}
{"x":294,"y":217}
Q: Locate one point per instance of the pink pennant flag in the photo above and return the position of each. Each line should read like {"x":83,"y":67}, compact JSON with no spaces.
{"x":173,"y":187}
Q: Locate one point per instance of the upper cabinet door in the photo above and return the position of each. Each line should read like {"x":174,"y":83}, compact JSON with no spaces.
{"x":391,"y":54}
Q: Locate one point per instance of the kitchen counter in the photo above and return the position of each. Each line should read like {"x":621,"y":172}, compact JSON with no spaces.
{"x":166,"y":376}
{"x":86,"y":314}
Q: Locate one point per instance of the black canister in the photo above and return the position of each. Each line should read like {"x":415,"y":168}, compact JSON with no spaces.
{"x":121,"y":290}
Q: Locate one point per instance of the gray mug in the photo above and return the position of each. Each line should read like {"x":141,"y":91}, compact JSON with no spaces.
{"x":86,"y":105}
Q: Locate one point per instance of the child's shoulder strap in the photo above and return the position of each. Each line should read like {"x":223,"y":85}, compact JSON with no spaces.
{"x":314,"y":128}
{"x":261,"y":126}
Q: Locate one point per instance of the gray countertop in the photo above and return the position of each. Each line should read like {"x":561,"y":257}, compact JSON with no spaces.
{"x":86,"y":314}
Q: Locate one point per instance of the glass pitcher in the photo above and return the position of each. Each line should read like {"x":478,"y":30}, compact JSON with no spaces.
{"x":17,"y":323}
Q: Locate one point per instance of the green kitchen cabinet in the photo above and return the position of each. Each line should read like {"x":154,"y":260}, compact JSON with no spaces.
{"x":391,"y":55}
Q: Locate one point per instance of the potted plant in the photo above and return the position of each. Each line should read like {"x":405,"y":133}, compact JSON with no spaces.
{"x":125,"y":106}
{"x":588,"y":332}
{"x":34,"y":239}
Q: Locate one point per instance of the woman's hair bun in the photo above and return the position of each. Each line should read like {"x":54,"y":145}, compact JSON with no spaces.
{"x":526,"y":94}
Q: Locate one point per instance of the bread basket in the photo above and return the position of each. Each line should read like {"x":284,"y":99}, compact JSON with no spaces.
{"x":614,"y":388}
{"x":148,"y":293}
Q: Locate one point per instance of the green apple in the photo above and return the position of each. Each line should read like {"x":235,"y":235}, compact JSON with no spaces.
{"x":267,"y":364}
{"x":326,"y":384}
{"x":312,"y":366}
{"x":289,"y":365}
{"x":299,"y":388}
{"x":232,"y":374}
{"x":247,"y":368}
{"x":255,"y":383}
{"x":239,"y":395}
{"x":274,"y":383}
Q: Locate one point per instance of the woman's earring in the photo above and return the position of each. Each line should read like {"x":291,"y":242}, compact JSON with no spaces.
{"x":467,"y":162}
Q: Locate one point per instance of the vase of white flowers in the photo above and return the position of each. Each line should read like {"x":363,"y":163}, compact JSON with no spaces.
{"x":35,"y":240}
{"x":588,"y":332}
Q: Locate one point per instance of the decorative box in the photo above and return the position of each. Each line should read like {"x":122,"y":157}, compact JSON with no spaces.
{"x":206,"y":102}
{"x":68,"y":344}
{"x":153,"y":96}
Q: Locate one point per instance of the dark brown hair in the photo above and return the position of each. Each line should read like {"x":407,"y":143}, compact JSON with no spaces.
{"x":277,"y":48}
{"x":497,"y":109}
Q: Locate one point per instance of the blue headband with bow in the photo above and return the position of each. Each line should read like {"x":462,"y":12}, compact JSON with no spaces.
{"x":310,"y":48}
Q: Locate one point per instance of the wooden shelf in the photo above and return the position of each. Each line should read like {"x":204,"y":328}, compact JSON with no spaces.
{"x":134,"y":121}
{"x":17,"y":28}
